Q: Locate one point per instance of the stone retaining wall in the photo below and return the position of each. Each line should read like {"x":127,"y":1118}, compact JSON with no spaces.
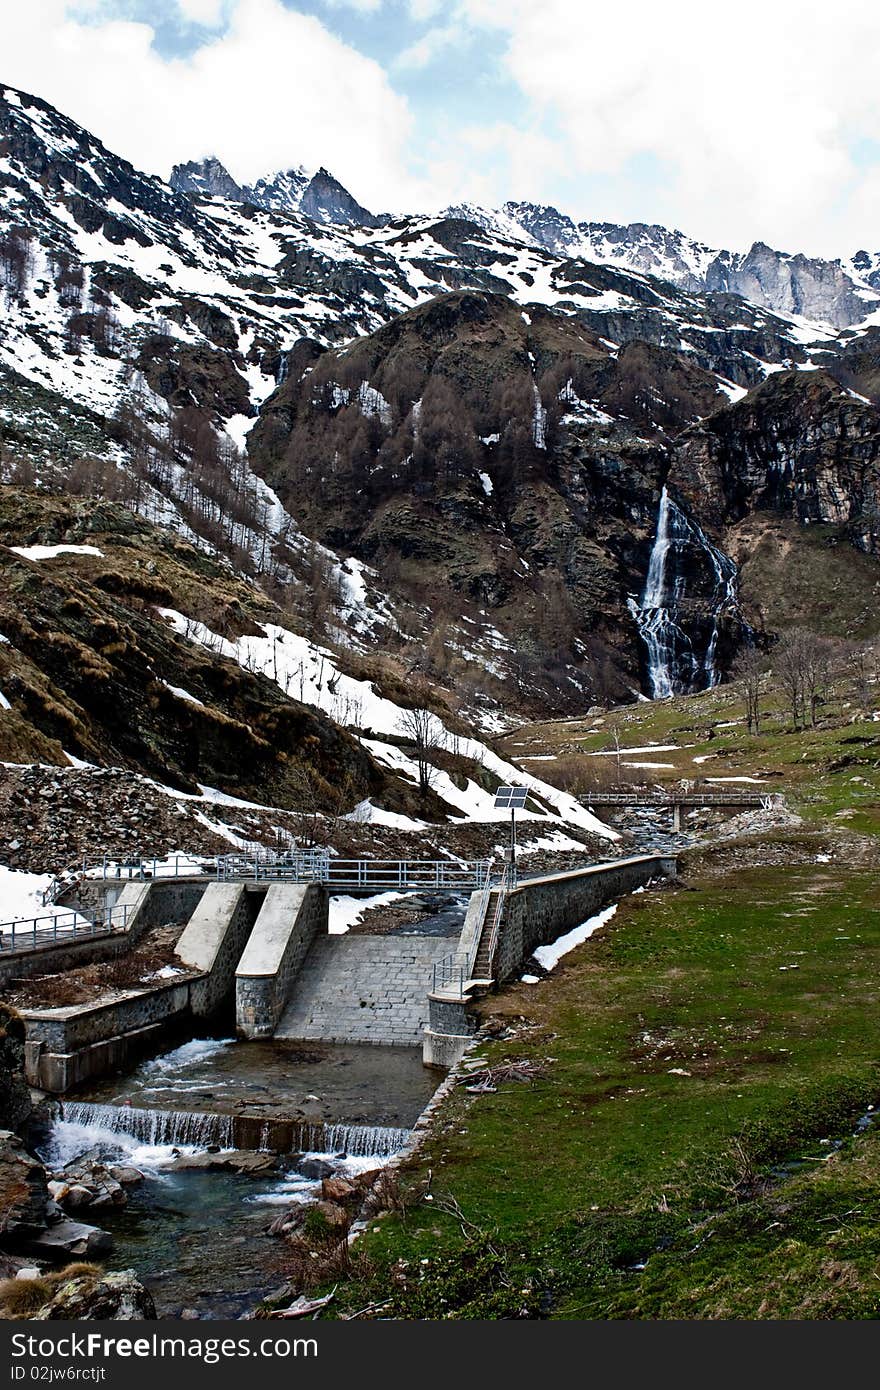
{"x":364,"y":989}
{"x":543,"y":909}
{"x":535,"y":913}
{"x":150,"y":904}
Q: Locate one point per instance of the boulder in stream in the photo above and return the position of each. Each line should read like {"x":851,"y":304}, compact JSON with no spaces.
{"x":315,"y":1168}
{"x":119,"y":1296}
{"x":247,"y":1161}
{"x":86,"y":1182}
{"x":68,"y":1237}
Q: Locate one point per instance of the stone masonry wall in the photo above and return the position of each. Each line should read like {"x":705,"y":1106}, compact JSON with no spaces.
{"x":65,"y":1030}
{"x":540,"y":910}
{"x":160,"y":903}
{"x":214,"y":940}
{"x":367,"y":989}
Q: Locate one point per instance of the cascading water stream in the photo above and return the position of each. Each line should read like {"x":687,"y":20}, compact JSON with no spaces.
{"x":104,"y":1124}
{"x":680,"y":660}
{"x":153,"y":1127}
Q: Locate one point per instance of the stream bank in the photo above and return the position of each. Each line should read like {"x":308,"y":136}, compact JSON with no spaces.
{"x":197,"y":1239}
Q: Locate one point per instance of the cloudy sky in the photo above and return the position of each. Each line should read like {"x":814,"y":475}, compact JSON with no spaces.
{"x":761,"y":121}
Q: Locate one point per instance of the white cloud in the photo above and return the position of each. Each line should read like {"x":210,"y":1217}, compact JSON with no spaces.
{"x":422,"y":10}
{"x":752,"y":112}
{"x":208,"y":12}
{"x":363,"y":6}
{"x":423,"y":52}
{"x":276,"y":88}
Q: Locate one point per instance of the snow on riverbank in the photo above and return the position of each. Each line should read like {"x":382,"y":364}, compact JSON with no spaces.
{"x":345,"y":911}
{"x":550,"y":956}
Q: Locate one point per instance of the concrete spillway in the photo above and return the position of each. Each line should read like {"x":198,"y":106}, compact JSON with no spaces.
{"x":357,"y":988}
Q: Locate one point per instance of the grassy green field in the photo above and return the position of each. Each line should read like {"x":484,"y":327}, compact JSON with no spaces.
{"x":832,"y":771}
{"x":688,"y":1148}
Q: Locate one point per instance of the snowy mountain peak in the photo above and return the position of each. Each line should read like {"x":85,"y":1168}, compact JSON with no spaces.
{"x":318,"y":195}
{"x":822,"y":291}
{"x":205,"y":177}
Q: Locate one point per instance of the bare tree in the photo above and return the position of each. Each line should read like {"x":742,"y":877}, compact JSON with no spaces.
{"x":749,"y":668}
{"x":789,"y":665}
{"x":804,"y":663}
{"x":423,"y":730}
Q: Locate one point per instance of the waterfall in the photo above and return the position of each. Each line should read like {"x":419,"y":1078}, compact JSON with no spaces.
{"x":673,"y":624}
{"x":358,"y":1141}
{"x":153,"y":1127}
{"x":201,"y":1129}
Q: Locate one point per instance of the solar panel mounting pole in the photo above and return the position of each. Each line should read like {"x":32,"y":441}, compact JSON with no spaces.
{"x":508,"y":799}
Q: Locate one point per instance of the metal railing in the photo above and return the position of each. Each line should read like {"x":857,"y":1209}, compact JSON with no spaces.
{"x":139,"y":870}
{"x":52,"y":892}
{"x":309,"y":866}
{"x":26,"y":934}
{"x":674,"y":799}
{"x":451,"y":973}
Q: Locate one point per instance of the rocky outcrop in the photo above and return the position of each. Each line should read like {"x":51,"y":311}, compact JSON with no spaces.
{"x":16,"y":1105}
{"x":207,"y":178}
{"x":800,"y":445}
{"x":23,"y":1192}
{"x":319,"y":196}
{"x":115,"y":1297}
{"x":64,"y":1237}
{"x":90,"y":663}
{"x":29,"y":1217}
{"x":810,"y":288}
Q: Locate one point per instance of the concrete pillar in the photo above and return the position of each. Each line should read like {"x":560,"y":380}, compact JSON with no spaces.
{"x":676,"y":816}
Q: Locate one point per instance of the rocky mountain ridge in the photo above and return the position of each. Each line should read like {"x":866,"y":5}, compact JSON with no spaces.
{"x":485,"y":420}
{"x":837,"y":293}
{"x":317,"y":195}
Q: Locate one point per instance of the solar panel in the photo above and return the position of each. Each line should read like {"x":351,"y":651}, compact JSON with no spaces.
{"x":511,"y":798}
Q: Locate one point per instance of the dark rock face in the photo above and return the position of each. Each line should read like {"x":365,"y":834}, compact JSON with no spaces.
{"x":205,"y":177}
{"x":799,"y":445}
{"x":325,"y":200}
{"x":187,"y":374}
{"x":15,"y":1097}
{"x":514,"y":464}
{"x":23,"y":1192}
{"x":101,"y":644}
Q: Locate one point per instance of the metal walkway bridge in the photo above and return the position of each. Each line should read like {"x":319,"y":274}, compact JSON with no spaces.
{"x":673,"y":798}
{"x":309,"y":866}
{"x":362,"y":876}
{"x":677,"y":801}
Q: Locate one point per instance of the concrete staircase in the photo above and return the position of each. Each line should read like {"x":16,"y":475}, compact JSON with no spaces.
{"x":359,"y":988}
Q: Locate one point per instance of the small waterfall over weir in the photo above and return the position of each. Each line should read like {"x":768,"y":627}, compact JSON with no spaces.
{"x":202,"y":1129}
{"x":178,"y":1127}
{"x":690,"y":586}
